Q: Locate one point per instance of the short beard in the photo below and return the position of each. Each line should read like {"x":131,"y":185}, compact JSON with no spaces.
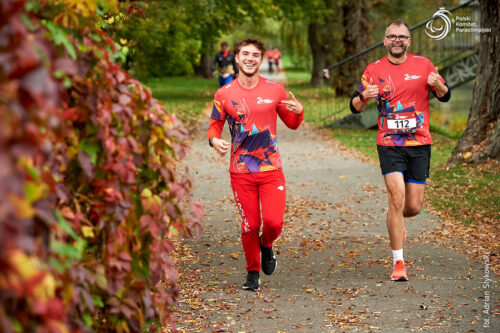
{"x":397,"y":55}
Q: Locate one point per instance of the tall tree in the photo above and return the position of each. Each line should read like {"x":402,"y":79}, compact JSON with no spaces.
{"x":356,"y":38}
{"x":323,"y":26}
{"x":481,"y":138}
{"x":173,"y":37}
{"x":214,"y":17}
{"x":293,"y":35}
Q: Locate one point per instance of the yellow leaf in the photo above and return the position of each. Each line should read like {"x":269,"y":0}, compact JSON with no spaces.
{"x":72,"y":151}
{"x":26,"y":266}
{"x":343,"y":176}
{"x":467,"y":155}
{"x":33,"y":191}
{"x":88,"y":231}
{"x":46,"y":289}
{"x":146,"y":193}
{"x":60,"y":326}
{"x":22,"y":207}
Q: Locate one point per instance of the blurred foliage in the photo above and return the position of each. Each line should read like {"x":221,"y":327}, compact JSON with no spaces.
{"x":186,"y":97}
{"x":171,"y":36}
{"x":91,"y":194}
{"x":168,"y":38}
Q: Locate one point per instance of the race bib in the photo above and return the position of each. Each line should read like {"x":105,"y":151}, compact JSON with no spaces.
{"x":401,"y":123}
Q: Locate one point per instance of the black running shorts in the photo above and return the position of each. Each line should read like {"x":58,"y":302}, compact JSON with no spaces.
{"x":413,"y":162}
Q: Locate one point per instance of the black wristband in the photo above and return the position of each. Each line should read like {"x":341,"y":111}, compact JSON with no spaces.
{"x":362,"y":98}
{"x":210,"y":142}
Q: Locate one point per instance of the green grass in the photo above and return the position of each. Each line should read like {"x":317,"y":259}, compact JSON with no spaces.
{"x":185,"y":97}
{"x":458,"y":192}
{"x":361,"y":140}
{"x":318,"y":102}
{"x":467,"y":193}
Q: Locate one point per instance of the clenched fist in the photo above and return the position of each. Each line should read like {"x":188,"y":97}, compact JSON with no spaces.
{"x":371,"y":90}
{"x":221,"y":146}
{"x":433,"y":80}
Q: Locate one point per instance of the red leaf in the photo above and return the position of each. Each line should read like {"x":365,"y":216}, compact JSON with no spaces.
{"x":125,"y":256}
{"x":146,"y":220}
{"x":86,"y":164}
{"x":72,"y":114}
{"x":172,"y":210}
{"x":67,"y":65}
{"x":120,"y":76}
{"x":124,"y":99}
{"x":52,"y":309}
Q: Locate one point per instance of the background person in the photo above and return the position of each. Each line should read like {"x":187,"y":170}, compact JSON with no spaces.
{"x":270,"y":60}
{"x":277,"y":59}
{"x":224,"y":59}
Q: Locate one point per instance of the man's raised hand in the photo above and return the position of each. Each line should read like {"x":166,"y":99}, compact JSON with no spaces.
{"x":371,"y":90}
{"x":292,"y":104}
{"x":221,"y":146}
{"x":433,"y":80}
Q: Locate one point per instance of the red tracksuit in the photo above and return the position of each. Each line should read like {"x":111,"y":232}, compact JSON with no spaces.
{"x":255,"y":164}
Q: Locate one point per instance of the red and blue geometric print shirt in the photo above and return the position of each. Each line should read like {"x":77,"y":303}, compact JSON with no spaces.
{"x":251,"y":115}
{"x":403,"y":90}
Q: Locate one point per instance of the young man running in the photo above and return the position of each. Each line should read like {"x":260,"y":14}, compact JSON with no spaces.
{"x":400,"y":82}
{"x":251,"y":105}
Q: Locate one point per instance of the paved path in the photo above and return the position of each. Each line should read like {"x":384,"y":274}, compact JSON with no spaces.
{"x":275,"y":76}
{"x":334,"y":255}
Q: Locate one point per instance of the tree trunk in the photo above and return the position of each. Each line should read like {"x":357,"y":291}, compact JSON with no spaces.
{"x":204,"y":69}
{"x":318,"y":54}
{"x":356,"y":38}
{"x":481,"y":138}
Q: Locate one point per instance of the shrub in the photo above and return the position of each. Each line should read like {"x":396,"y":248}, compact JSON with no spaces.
{"x":91,"y":194}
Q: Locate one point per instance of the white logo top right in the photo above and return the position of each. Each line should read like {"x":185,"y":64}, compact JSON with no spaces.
{"x":440,"y":25}
{"x":440,"y":31}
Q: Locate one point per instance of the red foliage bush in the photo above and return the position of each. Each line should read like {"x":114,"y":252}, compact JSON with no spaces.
{"x":90,"y":193}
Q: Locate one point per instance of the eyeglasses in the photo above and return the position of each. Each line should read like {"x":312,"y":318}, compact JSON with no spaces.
{"x":402,"y":38}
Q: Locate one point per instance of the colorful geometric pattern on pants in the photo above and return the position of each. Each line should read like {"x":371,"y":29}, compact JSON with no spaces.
{"x":251,"y":192}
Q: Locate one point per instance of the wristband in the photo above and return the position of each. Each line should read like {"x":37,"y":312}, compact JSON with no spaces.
{"x":210,"y":142}
{"x":362,"y":98}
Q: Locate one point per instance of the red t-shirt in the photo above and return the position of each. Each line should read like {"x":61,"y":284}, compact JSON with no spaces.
{"x":270,"y":55}
{"x":251,"y":115}
{"x":403,"y":90}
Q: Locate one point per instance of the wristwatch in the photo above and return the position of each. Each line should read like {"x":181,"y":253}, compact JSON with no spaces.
{"x":210,"y":142}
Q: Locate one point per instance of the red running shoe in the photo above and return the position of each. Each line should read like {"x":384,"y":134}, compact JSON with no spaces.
{"x":399,"y":271}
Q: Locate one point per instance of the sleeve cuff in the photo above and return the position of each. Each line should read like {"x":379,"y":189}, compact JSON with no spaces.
{"x":446,"y":97}
{"x":351,"y":106}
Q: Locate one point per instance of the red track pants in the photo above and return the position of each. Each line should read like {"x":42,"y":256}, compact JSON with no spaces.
{"x":248,"y":189}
